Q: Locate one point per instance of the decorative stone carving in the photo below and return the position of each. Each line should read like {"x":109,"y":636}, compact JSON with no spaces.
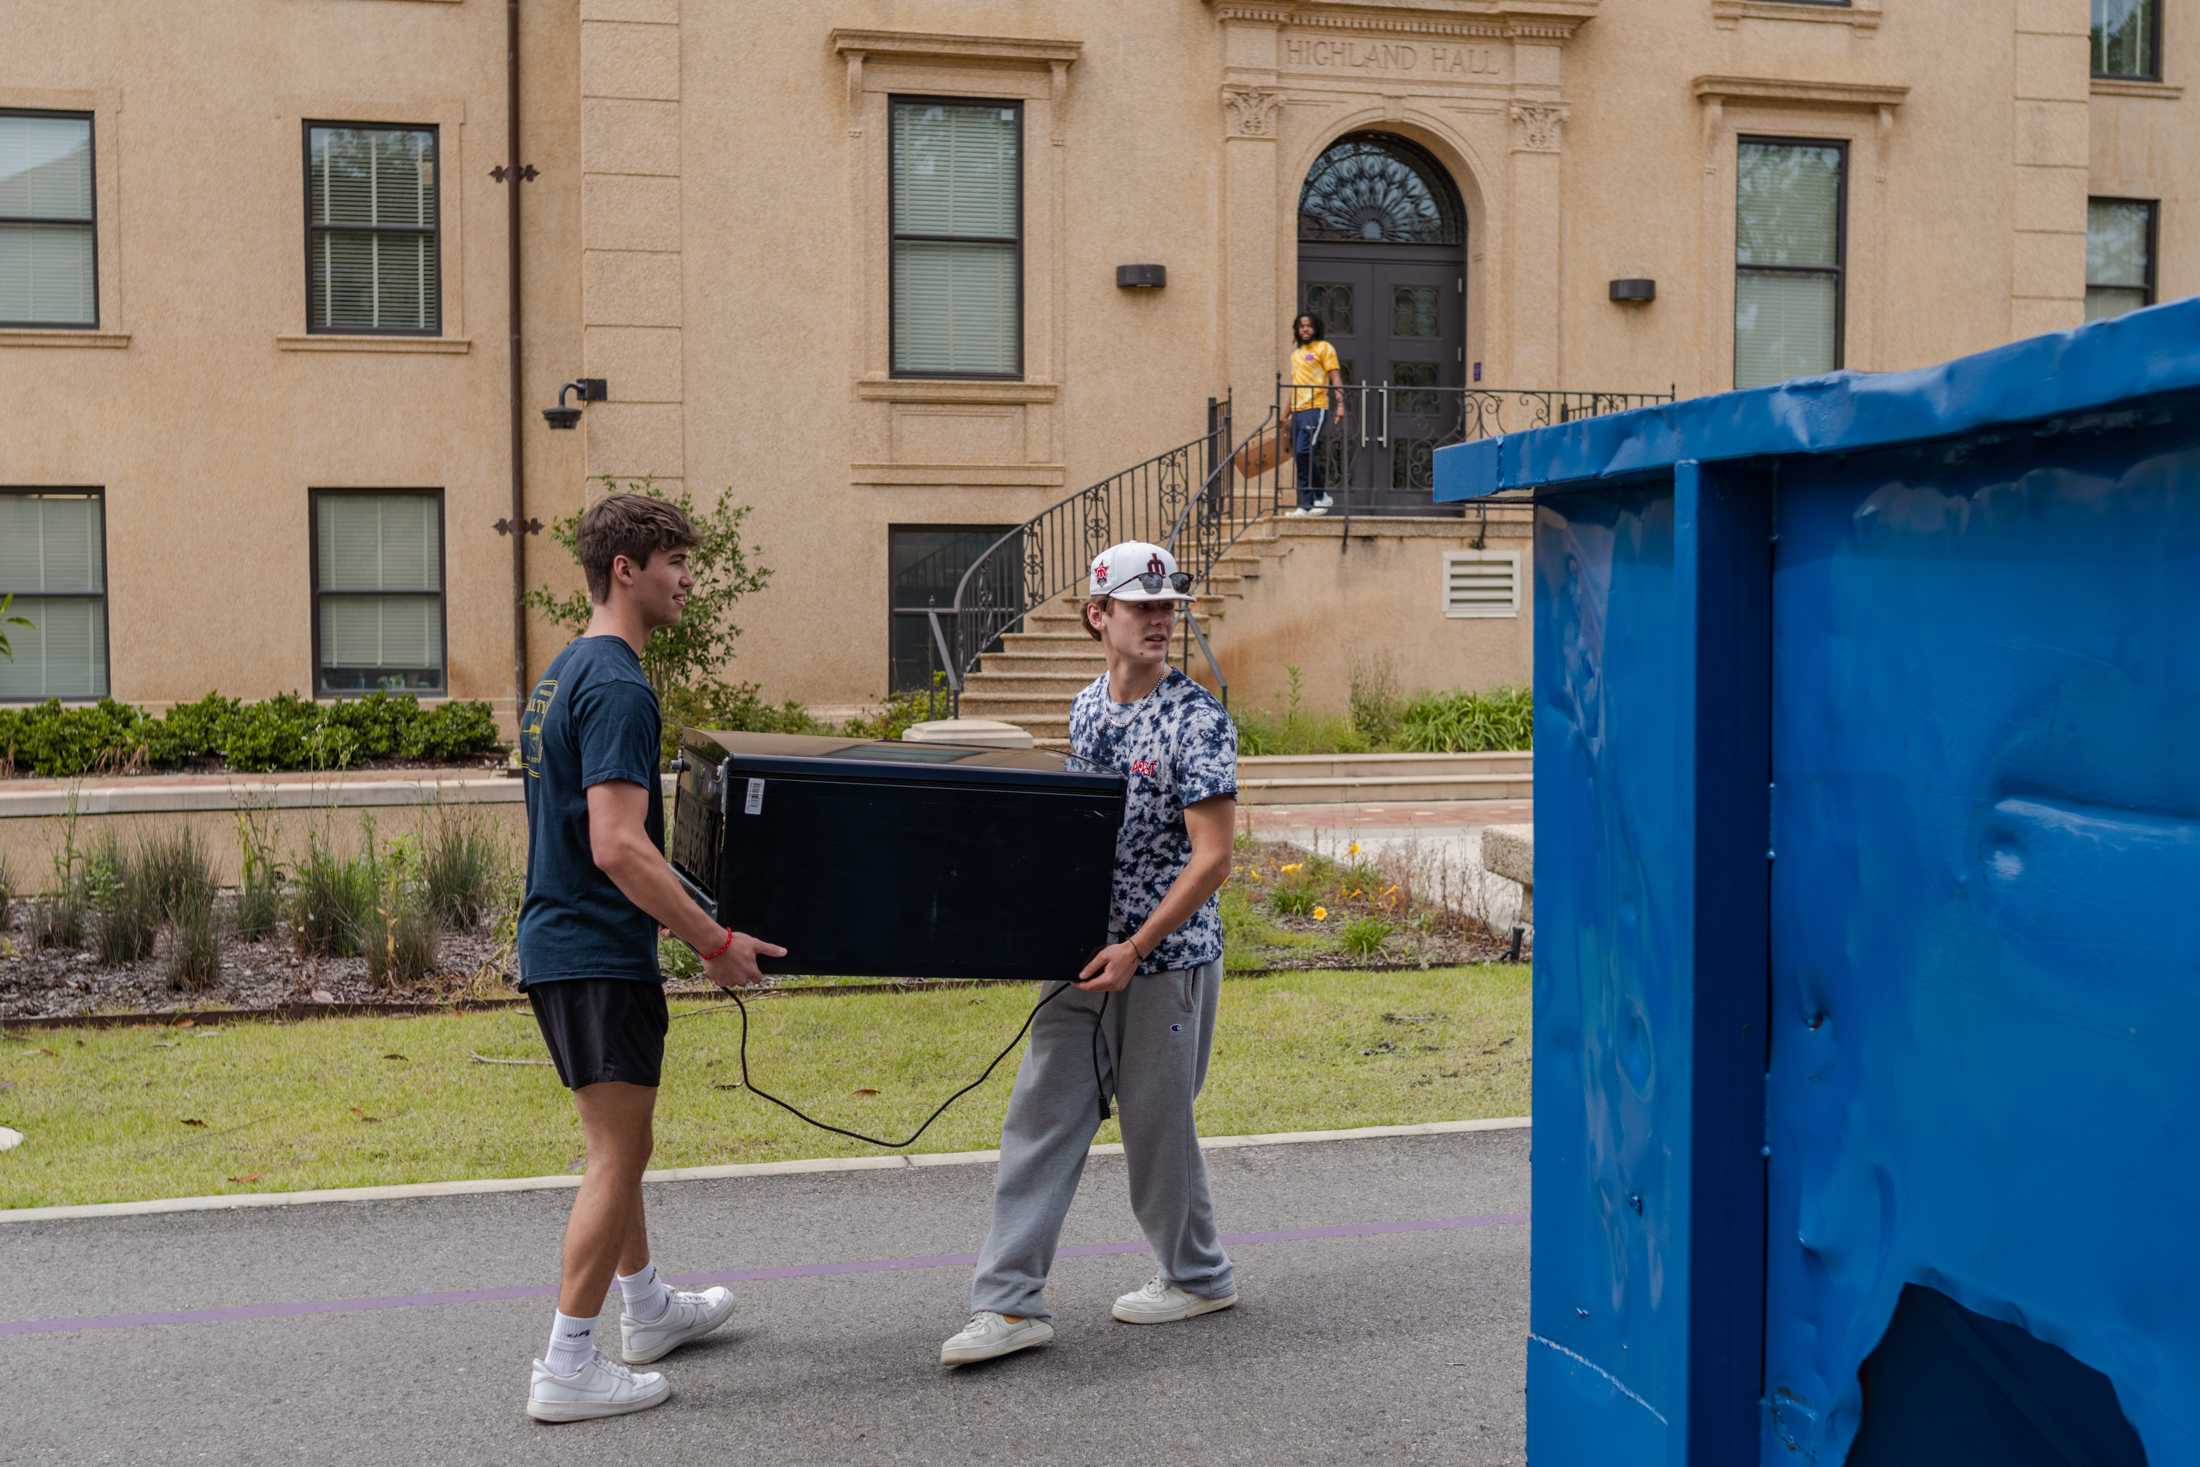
{"x":1253,"y":111}
{"x":1536,"y":125}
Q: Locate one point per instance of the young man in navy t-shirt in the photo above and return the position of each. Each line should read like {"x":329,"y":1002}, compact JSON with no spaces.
{"x":598,"y":888}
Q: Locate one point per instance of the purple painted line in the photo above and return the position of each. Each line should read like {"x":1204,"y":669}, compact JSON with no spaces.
{"x":236,"y":1313}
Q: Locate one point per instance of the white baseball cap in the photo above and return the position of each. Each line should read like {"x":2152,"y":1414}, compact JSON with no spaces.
{"x":1139,"y":571}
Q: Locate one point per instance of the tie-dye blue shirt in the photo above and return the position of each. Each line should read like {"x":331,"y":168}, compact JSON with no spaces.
{"x":1175,"y":747}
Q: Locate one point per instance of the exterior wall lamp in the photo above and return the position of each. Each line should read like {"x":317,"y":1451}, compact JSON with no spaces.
{"x":1141,"y":277}
{"x":591,"y":389}
{"x":1637,"y":292}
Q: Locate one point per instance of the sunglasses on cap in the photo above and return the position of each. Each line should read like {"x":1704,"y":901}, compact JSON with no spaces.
{"x":1153,"y":582}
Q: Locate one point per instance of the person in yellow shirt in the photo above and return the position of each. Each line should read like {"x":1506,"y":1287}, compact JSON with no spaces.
{"x":1317,"y":400}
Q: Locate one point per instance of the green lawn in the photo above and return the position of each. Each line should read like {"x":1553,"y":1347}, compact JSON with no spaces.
{"x":116,"y":1114}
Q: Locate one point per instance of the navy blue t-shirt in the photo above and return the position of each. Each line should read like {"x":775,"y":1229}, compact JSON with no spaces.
{"x":592,"y":718}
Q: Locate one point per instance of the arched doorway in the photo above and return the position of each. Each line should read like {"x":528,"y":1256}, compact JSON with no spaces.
{"x":1383,"y":262}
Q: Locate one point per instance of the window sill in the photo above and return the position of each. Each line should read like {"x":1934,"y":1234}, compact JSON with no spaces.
{"x":951,"y":389}
{"x":33,"y":336}
{"x":2112,"y":86}
{"x":1730,"y":13}
{"x":958,"y":476}
{"x":330,"y":341}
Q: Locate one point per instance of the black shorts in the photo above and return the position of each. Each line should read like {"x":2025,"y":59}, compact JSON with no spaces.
{"x":603,"y":1029}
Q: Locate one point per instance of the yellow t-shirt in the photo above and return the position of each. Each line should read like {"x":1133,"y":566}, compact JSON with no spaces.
{"x":1310,"y":369}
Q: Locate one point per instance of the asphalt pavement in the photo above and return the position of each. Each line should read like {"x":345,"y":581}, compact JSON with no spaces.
{"x":1383,"y":1303}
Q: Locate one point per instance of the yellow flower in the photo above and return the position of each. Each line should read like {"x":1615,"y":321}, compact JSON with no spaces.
{"x":1291,"y":869}
{"x":1390,"y":888}
{"x":1321,"y":914}
{"x":1353,"y":849}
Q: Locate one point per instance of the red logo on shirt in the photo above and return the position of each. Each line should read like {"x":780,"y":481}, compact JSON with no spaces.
{"x":1146,"y":767}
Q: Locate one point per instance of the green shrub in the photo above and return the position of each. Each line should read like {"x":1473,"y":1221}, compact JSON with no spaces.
{"x":1294,"y":901}
{"x":58,"y":921}
{"x":1364,"y":936}
{"x":900,"y":712}
{"x":1469,"y":723}
{"x":49,"y":740}
{"x":677,"y":961}
{"x":331,"y":902}
{"x":7,"y":893}
{"x":126,"y":906}
{"x":190,"y":732}
{"x":274,"y":734}
{"x":1296,"y":731}
{"x":194,"y":944}
{"x":175,"y":869}
{"x":401,"y":931}
{"x":734,"y":706}
{"x":455,"y":730}
{"x":260,"y":880}
{"x":284,"y":732}
{"x":1376,"y":707}
{"x":459,"y":863}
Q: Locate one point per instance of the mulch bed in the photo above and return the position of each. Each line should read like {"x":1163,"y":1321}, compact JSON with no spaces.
{"x":270,"y":974}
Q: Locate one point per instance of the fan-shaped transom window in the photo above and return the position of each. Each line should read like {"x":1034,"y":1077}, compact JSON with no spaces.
{"x":1370,"y":188}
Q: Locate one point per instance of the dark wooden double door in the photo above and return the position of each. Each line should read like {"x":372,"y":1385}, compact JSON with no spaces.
{"x":1397,"y":315}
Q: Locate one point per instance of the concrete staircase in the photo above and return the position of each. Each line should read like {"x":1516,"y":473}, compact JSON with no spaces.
{"x":1384,"y":779}
{"x":1039,"y":670}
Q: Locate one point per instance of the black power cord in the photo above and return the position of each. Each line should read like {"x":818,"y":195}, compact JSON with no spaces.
{"x":1029,"y":1019}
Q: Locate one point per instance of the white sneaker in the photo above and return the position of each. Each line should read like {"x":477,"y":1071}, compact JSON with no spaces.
{"x":1323,"y":502}
{"x":1162,"y":1302}
{"x":687,"y":1317}
{"x":1297,"y":514}
{"x":989,"y":1336}
{"x":599,"y":1388}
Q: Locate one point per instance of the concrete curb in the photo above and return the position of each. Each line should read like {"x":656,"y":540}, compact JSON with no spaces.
{"x":240,"y":1200}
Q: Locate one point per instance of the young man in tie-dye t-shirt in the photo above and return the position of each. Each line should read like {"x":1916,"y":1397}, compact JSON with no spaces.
{"x":1139,"y":1021}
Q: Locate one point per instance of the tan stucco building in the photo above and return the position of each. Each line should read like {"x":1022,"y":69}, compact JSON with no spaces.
{"x":856,"y":263}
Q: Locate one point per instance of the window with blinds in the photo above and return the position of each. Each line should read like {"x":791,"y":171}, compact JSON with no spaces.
{"x":53,"y":562}
{"x":2127,"y":39}
{"x":1790,"y":198}
{"x":956,"y":180}
{"x":373,"y":252}
{"x":1481,"y":583}
{"x":2119,"y":257}
{"x":377,"y":591}
{"x":49,"y":268}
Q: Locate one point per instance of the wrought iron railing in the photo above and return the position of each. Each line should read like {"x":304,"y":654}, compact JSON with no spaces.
{"x":1201,"y":497}
{"x":1050,"y":554}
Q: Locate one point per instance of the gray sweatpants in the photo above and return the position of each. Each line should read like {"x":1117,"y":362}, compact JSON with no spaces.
{"x":1155,"y":1038}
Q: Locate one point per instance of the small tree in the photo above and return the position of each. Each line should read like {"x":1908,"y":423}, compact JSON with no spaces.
{"x":7,"y":621}
{"x":692,"y":653}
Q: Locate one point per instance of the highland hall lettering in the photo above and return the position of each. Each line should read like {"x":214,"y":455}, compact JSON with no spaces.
{"x":1403,"y":57}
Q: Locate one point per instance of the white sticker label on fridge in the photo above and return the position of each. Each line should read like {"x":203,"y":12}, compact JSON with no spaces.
{"x":755,"y":802}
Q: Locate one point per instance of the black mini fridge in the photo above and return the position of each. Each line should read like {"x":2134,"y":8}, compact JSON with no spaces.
{"x":899,"y":859}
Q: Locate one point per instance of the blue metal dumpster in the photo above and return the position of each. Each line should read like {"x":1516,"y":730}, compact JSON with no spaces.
{"x":1867,"y":981}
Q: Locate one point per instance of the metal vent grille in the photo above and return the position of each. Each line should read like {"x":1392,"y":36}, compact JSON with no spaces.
{"x":1482,"y":583}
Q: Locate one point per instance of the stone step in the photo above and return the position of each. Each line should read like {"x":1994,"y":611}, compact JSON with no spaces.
{"x":1384,"y":791}
{"x":1513,"y":764}
{"x":1025,"y":709}
{"x":1086,"y":662}
{"x":1062,"y":685}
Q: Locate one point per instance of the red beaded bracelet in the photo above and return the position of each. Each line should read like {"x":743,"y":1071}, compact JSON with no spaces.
{"x":721,"y":952}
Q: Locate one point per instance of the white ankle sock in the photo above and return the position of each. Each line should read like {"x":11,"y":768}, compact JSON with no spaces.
{"x":644,"y":1294}
{"x":572,"y":1342}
